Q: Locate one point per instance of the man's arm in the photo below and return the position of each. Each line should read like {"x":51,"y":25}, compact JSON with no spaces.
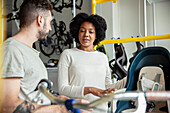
{"x":10,"y":100}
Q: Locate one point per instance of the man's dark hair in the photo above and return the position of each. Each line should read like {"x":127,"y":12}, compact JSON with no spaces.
{"x":98,"y":22}
{"x":30,"y":9}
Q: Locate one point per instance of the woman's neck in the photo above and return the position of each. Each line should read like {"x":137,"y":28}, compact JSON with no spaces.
{"x":88,"y":49}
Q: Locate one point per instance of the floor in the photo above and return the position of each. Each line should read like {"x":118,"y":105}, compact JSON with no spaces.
{"x":156,"y":109}
{"x":159,"y":105}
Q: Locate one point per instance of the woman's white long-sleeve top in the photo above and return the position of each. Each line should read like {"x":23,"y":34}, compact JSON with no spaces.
{"x":78,"y":69}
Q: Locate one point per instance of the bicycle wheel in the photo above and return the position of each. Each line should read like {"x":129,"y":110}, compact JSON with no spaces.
{"x":69,"y":3}
{"x":62,"y":44}
{"x":54,"y":2}
{"x":79,"y":4}
{"x":47,"y":46}
{"x":17,"y":4}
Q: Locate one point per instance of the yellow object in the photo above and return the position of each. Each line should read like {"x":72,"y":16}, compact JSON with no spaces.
{"x":2,"y":37}
{"x":0,"y":58}
{"x":135,"y":39}
{"x":94,"y":2}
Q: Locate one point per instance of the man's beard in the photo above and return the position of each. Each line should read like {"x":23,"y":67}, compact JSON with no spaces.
{"x":42,"y":35}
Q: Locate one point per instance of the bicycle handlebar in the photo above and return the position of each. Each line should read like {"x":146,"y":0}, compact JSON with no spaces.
{"x":12,"y":16}
{"x":150,"y":95}
{"x":73,"y":105}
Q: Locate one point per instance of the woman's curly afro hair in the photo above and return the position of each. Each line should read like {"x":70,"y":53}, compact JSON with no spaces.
{"x":98,"y":22}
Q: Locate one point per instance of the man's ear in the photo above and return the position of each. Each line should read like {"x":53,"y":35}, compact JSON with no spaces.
{"x":40,"y":20}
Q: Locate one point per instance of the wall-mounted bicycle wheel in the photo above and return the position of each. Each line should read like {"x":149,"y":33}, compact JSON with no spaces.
{"x":62,"y":44}
{"x":47,"y":46}
{"x":17,"y":4}
{"x":79,"y":4}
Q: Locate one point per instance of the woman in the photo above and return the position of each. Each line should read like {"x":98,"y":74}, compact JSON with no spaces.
{"x":84,"y":72}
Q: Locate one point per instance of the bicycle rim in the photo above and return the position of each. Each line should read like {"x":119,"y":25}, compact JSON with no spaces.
{"x":17,"y":4}
{"x":79,"y":4}
{"x":62,"y":44}
{"x":46,"y":48}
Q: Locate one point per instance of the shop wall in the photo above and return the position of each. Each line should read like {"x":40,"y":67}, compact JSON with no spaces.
{"x":126,"y":19}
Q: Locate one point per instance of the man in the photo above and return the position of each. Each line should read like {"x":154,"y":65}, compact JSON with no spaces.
{"x":22,"y":67}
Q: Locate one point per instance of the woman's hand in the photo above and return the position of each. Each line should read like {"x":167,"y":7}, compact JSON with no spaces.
{"x":96,"y":91}
{"x":109,"y":90}
{"x":63,"y":97}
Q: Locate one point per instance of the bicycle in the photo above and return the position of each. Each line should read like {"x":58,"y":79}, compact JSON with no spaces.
{"x":57,"y":41}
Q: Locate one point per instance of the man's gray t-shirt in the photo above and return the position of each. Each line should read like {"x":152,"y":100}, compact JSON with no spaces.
{"x":22,"y":61}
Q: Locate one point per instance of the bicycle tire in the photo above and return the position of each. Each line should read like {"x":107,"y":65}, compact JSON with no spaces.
{"x":66,"y":43}
{"x":54,"y":2}
{"x":70,"y":4}
{"x":34,"y":45}
{"x":58,"y":49}
{"x":61,"y":44}
{"x":47,"y":48}
{"x":80,"y":5}
{"x":62,"y":27}
{"x":16,"y":5}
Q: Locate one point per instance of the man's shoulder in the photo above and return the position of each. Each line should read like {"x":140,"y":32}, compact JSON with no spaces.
{"x":10,"y":42}
{"x":10,"y":45}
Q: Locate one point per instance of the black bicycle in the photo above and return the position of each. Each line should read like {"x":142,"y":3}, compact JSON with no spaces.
{"x":60,"y":39}
{"x":57,"y":41}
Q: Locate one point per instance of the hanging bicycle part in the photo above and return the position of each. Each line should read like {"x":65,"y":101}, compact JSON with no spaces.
{"x":14,"y":15}
{"x":17,"y":4}
{"x":56,"y":41}
{"x":65,"y":4}
{"x":117,"y":64}
{"x":55,"y":3}
{"x":139,"y":48}
{"x":47,"y":46}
